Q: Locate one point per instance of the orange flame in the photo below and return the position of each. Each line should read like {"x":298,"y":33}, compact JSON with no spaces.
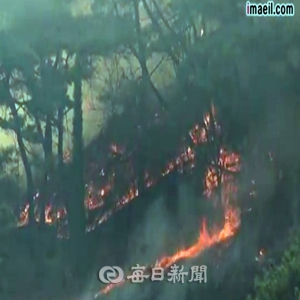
{"x":205,"y":240}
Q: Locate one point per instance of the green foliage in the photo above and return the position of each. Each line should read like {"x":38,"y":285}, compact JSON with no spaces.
{"x":15,"y":53}
{"x":9,"y":124}
{"x":283,"y":280}
{"x":30,"y":134}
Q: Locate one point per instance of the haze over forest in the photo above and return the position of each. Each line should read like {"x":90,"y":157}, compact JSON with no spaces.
{"x":151,"y":132}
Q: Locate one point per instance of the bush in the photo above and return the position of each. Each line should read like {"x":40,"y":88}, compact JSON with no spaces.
{"x":281,"y":281}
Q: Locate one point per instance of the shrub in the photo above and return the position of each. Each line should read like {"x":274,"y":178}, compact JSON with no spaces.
{"x":281,"y":281}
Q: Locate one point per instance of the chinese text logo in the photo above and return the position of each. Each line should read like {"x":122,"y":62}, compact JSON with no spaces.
{"x":140,"y":273}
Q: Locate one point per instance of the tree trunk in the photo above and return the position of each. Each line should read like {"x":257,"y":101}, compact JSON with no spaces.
{"x":42,"y":245}
{"x":47,"y":169}
{"x":60,"y":128}
{"x":60,"y":156}
{"x":76,"y":215}
{"x":295,"y":197}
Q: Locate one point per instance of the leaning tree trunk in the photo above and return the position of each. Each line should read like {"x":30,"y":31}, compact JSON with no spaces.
{"x":159,"y":30}
{"x":76,"y":211}
{"x":25,"y":160}
{"x":141,"y":56}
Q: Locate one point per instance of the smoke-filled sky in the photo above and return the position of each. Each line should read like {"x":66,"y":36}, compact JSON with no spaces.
{"x":19,"y":12}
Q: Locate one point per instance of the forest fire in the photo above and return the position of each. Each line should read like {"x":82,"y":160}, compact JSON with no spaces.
{"x":217,"y":175}
{"x":207,"y":238}
{"x":95,"y":197}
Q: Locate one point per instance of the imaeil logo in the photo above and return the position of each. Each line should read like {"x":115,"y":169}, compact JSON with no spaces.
{"x":109,"y":274}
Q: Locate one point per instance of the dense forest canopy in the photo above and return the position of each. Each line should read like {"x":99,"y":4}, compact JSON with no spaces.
{"x":125,"y":124}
